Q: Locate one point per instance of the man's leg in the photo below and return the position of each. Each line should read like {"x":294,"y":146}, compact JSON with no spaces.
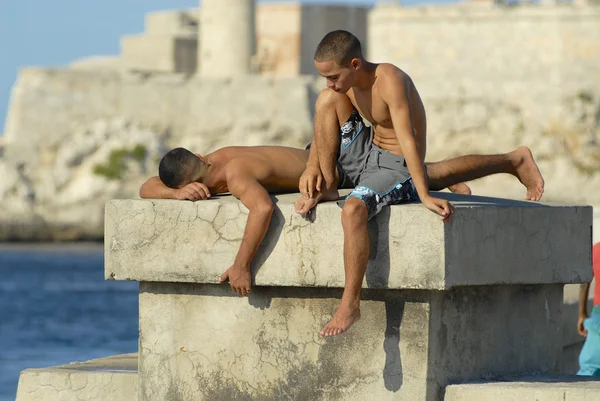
{"x":381,"y":184}
{"x":356,"y":257}
{"x":519,"y":163}
{"x":332,"y":110}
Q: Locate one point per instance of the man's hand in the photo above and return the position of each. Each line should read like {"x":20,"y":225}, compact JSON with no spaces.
{"x":239,"y":279}
{"x":580,"y":328}
{"x":193,"y":191}
{"x":439,"y":206}
{"x":310,"y":180}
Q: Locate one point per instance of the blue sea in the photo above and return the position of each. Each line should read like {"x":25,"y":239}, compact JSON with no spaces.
{"x":56,"y":308}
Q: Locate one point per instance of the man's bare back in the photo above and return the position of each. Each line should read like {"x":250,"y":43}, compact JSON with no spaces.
{"x":276,"y":168}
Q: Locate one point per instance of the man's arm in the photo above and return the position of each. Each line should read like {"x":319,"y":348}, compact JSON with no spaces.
{"x":326,"y":138}
{"x":584,"y":290}
{"x":255,"y":197}
{"x":311,"y":179}
{"x":394,"y":94}
{"x":313,"y":156}
{"x":155,"y":189}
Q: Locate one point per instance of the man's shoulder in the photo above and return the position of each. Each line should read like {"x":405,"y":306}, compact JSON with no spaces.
{"x":389,"y":69}
{"x":391,"y":74}
{"x":390,"y":77}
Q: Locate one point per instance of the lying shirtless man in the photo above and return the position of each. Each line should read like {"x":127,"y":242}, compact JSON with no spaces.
{"x":385,"y":163}
{"x":248,"y":173}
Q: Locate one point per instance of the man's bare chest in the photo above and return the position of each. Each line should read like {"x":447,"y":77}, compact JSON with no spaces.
{"x":373,"y":108}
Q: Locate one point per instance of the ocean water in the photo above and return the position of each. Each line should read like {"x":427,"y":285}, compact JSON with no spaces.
{"x":56,"y":308}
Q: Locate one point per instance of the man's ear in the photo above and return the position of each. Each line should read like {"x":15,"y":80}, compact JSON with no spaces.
{"x":355,"y":63}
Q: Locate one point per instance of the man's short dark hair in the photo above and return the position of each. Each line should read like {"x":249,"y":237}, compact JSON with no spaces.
{"x":176,"y":166}
{"x":339,"y":46}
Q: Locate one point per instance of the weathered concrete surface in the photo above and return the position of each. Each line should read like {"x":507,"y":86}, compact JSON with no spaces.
{"x":201,"y":342}
{"x":489,"y":241}
{"x":501,"y":266}
{"x":535,"y":388}
{"x":113,"y":378}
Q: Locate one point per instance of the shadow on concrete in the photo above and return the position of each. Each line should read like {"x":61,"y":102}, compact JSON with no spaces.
{"x":261,"y":301}
{"x":476,"y":200}
{"x":378,"y":269}
{"x":392,"y":370}
{"x":378,"y":276}
{"x":547,"y":378}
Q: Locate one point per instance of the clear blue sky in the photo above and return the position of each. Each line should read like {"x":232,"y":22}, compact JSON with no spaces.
{"x":56,"y":32}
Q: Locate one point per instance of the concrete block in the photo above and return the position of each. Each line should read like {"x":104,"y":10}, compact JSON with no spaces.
{"x":160,"y":53}
{"x":200,"y":342}
{"x":113,"y":378}
{"x":490,"y":241}
{"x":535,"y":388}
{"x":475,"y":298}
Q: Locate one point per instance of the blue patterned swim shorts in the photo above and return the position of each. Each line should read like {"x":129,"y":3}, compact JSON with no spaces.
{"x":384,"y":181}
{"x":379,"y":177}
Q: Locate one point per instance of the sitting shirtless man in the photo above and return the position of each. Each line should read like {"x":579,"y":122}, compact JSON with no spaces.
{"x":250,"y":174}
{"x":385,"y":163}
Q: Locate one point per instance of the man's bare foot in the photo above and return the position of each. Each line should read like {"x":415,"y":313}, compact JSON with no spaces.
{"x":341,"y":321}
{"x":305,"y":204}
{"x":460,"y":188}
{"x":527,"y":171}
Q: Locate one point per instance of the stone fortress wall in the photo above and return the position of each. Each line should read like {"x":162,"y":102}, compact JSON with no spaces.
{"x":491,"y":77}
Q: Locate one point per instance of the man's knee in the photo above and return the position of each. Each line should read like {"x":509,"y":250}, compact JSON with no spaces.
{"x":328,"y":98}
{"x":330,"y":101}
{"x":354,"y":212}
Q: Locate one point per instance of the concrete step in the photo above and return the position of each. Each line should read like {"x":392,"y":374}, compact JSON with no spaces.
{"x":534,"y":388}
{"x":113,"y":378}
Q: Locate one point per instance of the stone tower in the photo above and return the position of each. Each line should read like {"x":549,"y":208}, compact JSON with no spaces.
{"x":227,"y":37}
